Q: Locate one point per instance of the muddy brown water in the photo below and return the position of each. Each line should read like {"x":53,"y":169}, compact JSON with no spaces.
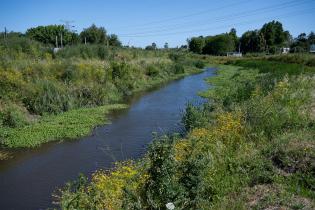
{"x":28,"y":180}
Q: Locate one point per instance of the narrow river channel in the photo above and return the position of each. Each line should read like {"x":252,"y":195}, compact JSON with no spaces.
{"x":28,"y":180}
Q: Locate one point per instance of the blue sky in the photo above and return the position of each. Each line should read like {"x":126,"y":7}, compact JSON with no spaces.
{"x":141,"y":22}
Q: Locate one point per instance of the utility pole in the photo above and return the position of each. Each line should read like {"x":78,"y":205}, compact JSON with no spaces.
{"x":56,"y":41}
{"x":85,"y":40}
{"x":61,"y":45}
{"x":68,"y":27}
{"x":5,"y":33}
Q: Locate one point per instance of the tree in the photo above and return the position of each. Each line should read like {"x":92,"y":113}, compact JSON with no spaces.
{"x":274,"y":34}
{"x":219,"y":44}
{"x":166,"y":45}
{"x":300,"y":43}
{"x":113,"y":40}
{"x":196,"y":44}
{"x":252,"y":41}
{"x":311,"y":38}
{"x":233,"y":34}
{"x":48,"y":34}
{"x":94,"y":35}
{"x":153,"y":45}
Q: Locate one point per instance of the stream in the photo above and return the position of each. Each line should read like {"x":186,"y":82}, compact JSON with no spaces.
{"x":28,"y":180}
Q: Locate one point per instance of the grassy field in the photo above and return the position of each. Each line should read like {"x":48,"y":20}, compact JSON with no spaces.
{"x":250,"y":147}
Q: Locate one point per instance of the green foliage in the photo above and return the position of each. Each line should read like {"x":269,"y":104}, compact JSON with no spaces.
{"x":196,"y":44}
{"x":219,"y":44}
{"x":68,"y":125}
{"x":178,"y":68}
{"x":161,"y":187}
{"x":253,"y":140}
{"x":13,"y":116}
{"x":233,"y":85}
{"x":85,"y":52}
{"x":93,"y":35}
{"x":274,"y":34}
{"x":253,"y":41}
{"x":269,"y":39}
{"x":200,"y":64}
{"x":194,"y":117}
{"x":302,"y":59}
{"x":48,"y":34}
{"x":113,"y":40}
{"x":76,"y":77}
{"x":176,"y":57}
{"x":48,"y":97}
{"x":279,"y":69}
{"x":20,"y":47}
{"x":151,"y":47}
{"x":152,"y":71}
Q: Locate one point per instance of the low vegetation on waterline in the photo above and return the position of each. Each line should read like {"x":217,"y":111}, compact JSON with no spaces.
{"x":250,"y":147}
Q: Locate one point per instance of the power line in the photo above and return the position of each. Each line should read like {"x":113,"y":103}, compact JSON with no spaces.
{"x":222,"y":18}
{"x":67,"y":24}
{"x":184,"y":16}
{"x":302,"y":12}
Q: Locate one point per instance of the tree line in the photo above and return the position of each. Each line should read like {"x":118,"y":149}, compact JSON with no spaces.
{"x":269,"y":39}
{"x":59,"y":35}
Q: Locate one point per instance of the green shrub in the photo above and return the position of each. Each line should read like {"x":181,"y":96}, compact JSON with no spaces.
{"x":200,"y":64}
{"x":152,"y":71}
{"x":194,"y":117}
{"x":48,"y":97}
{"x":19,"y":47}
{"x":13,"y":116}
{"x":162,"y":186}
{"x":177,"y":57}
{"x":68,"y":74}
{"x":89,"y":51}
{"x":178,"y":68}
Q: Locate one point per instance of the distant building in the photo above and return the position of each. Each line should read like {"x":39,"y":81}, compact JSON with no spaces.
{"x":312,"y":48}
{"x":285,"y":50}
{"x":56,"y":49}
{"x":234,"y":54}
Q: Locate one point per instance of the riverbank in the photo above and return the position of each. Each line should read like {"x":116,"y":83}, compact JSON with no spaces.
{"x":49,"y":166}
{"x":68,"y":125}
{"x":39,"y":97}
{"x":251,"y":146}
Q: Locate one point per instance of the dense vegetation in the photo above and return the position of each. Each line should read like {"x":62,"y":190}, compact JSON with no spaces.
{"x":268,"y":40}
{"x":37,"y":84}
{"x":250,"y":147}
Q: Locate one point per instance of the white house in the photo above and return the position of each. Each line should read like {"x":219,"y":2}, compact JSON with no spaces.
{"x":285,"y":50}
{"x":234,"y":54}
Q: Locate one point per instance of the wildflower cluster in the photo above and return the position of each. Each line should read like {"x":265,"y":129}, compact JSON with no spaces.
{"x":181,"y":149}
{"x":111,"y":185}
{"x":228,"y":126}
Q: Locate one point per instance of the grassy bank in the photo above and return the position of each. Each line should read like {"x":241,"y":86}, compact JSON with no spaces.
{"x":68,"y":125}
{"x":250,"y":147}
{"x":39,"y":89}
